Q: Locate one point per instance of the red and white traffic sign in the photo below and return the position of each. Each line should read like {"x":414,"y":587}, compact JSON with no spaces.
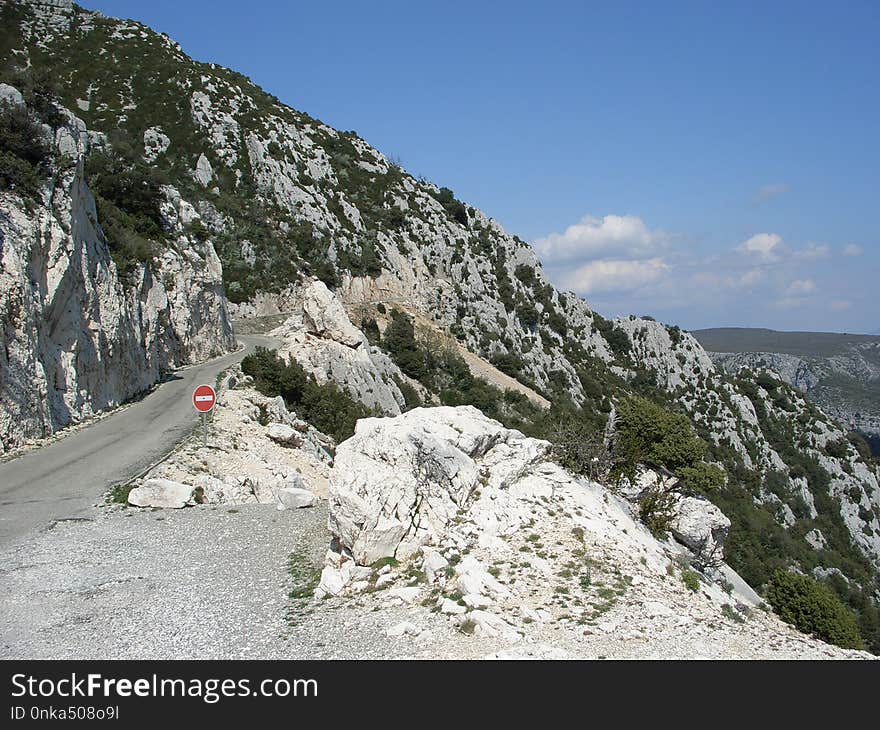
{"x":204,"y":398}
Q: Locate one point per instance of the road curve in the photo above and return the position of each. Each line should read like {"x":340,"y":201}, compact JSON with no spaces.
{"x":63,"y":479}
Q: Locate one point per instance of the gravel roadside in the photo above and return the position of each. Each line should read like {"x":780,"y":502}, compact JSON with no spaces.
{"x":213,"y":582}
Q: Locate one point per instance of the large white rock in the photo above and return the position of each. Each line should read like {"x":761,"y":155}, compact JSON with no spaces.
{"x":324,"y":315}
{"x":163,"y":493}
{"x":204,"y":173}
{"x":700,"y":525}
{"x":294,"y":498}
{"x":283,"y":434}
{"x":411,"y":474}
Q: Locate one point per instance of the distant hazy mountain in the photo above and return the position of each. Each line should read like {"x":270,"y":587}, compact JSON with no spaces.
{"x":840,"y":372}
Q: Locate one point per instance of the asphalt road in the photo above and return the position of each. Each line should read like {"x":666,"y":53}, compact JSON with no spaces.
{"x":64,"y":479}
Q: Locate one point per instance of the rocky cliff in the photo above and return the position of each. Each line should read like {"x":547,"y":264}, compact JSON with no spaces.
{"x":845,"y":385}
{"x":75,"y":337}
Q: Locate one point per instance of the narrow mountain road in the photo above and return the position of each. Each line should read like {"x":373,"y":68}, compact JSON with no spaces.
{"x":63,"y":479}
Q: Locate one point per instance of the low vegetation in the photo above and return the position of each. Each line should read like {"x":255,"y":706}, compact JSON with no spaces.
{"x":325,"y":406}
{"x":813,"y":608}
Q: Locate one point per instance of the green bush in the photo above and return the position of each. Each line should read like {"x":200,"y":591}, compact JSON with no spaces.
{"x":647,"y":433}
{"x":691,"y":580}
{"x":528,"y":315}
{"x":127,"y":196}
{"x":326,"y":407}
{"x":400,"y":342}
{"x":656,"y":512}
{"x":455,"y":208}
{"x":813,"y":608}
{"x":23,"y":153}
{"x":702,"y":477}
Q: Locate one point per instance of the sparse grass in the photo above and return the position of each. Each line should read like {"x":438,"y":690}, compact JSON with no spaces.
{"x":732,"y":614}
{"x":119,"y":494}
{"x":382,"y":562}
{"x":304,"y":575}
{"x":691,"y":580}
{"x":468,"y":626}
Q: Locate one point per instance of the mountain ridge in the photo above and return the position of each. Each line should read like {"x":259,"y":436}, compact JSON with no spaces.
{"x":285,"y":200}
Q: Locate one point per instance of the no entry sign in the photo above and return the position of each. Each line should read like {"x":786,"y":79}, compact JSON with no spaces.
{"x":203,"y":398}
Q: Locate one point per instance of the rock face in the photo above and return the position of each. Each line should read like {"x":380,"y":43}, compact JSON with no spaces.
{"x":320,"y":337}
{"x":75,"y":338}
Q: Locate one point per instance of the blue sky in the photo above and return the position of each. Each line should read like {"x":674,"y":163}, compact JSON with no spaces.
{"x":711,"y":164}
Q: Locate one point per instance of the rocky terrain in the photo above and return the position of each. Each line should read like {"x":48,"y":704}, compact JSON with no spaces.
{"x":840,"y":373}
{"x":501,"y":554}
{"x":397,"y":295}
{"x":76,"y":338}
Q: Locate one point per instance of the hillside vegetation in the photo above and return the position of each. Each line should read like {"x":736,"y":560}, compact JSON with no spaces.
{"x":282,"y":198}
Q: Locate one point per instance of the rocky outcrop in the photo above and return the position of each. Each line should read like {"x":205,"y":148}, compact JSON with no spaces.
{"x":415,"y":487}
{"x":74,"y":337}
{"x":320,"y":337}
{"x":445,"y":508}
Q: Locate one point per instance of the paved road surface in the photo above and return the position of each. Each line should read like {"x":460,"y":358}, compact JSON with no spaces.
{"x":63,"y":479}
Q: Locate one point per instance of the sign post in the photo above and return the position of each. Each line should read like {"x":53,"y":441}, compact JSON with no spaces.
{"x":203,"y":400}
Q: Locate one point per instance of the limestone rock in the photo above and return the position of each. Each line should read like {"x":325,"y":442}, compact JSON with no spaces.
{"x":77,"y":337}
{"x":163,"y":493}
{"x":204,"y":173}
{"x":283,"y":434}
{"x":700,"y":525}
{"x":324,"y":316}
{"x":294,"y":498}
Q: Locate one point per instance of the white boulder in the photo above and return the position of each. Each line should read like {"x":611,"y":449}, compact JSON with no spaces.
{"x":283,"y":434}
{"x":294,"y":498}
{"x":700,"y":525}
{"x":163,"y":493}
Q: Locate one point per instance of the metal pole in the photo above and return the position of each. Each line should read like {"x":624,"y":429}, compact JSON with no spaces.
{"x":205,"y":429}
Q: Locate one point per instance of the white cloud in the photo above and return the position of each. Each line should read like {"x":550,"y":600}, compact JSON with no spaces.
{"x":800,"y":287}
{"x":614,"y":275}
{"x":763,"y":245}
{"x":768,"y":192}
{"x":840,"y":305}
{"x":790,"y":302}
{"x":749,"y":278}
{"x":852,"y":249}
{"x":815,"y":252}
{"x":618,"y":236}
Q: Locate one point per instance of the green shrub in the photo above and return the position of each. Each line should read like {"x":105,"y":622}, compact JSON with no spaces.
{"x":455,"y":208}
{"x":528,"y":315}
{"x":326,"y":407}
{"x":400,"y":342}
{"x":647,"y":433}
{"x":656,"y":512}
{"x":525,"y":273}
{"x":813,"y":608}
{"x":691,"y":580}
{"x":702,"y":477}
{"x":127,"y":196}
{"x":24,"y":155}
